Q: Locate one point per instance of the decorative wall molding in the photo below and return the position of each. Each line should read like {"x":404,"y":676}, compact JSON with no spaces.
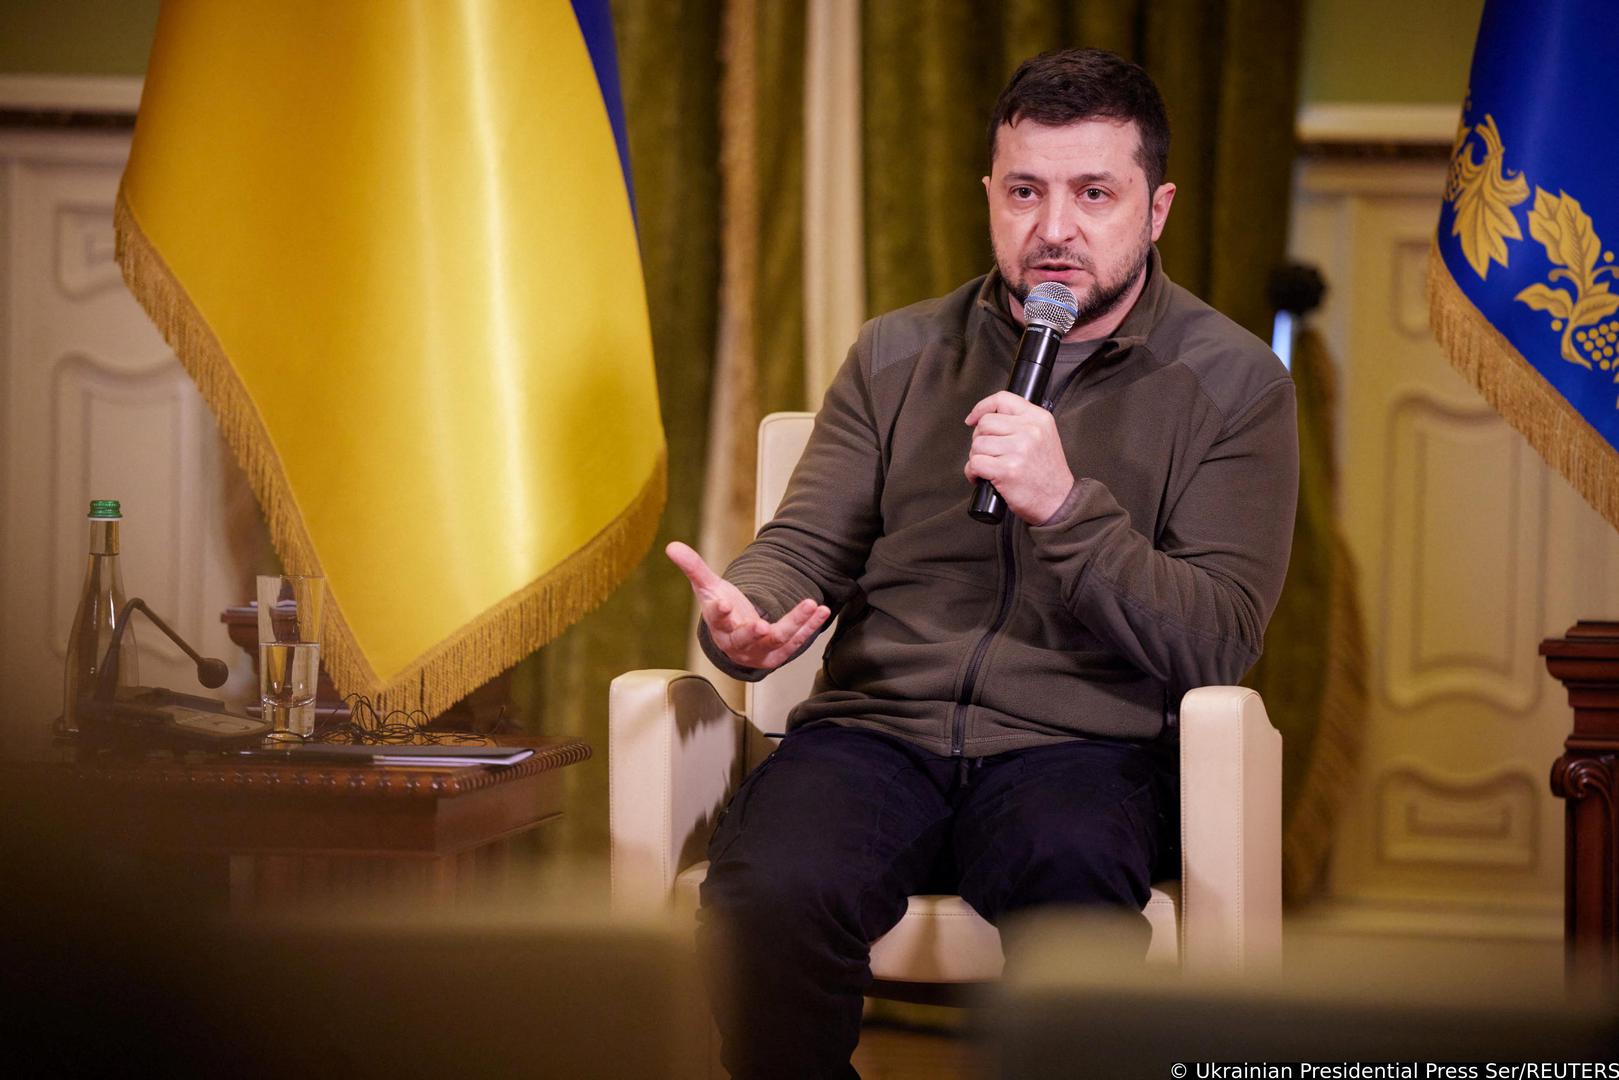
{"x":94,"y":405}
{"x":126,"y":428}
{"x":1443,"y":636}
{"x":1449,"y":829}
{"x":1358,"y":129}
{"x":1378,"y":182}
{"x":86,"y":261}
{"x":1529,"y":920}
{"x":1434,"y":820}
{"x":1409,"y":278}
{"x":105,"y":94}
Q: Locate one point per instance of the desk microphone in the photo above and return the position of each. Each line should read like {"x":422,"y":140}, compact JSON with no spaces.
{"x":211,"y":672}
{"x":1048,"y":313}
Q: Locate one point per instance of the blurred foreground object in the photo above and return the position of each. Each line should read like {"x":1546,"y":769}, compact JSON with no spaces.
{"x":113,"y":969}
{"x":496,"y":993}
{"x":109,"y":973}
{"x":1068,"y":1008}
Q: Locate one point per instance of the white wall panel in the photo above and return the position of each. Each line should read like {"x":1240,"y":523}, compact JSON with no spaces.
{"x":1470,"y":551}
{"x":93,"y":405}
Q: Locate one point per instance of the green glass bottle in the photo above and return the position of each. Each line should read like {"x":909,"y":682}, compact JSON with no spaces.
{"x":100,"y":603}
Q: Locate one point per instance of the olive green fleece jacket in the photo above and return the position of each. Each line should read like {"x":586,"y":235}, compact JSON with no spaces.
{"x":1156,"y":575}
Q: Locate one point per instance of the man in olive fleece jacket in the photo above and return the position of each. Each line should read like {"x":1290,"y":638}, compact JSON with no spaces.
{"x":995,"y":711}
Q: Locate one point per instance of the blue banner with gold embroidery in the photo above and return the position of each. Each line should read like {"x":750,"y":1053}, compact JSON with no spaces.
{"x":1523,"y":283}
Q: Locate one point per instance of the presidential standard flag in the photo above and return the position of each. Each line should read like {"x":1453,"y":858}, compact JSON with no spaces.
{"x":1521,"y":281}
{"x":394,"y":245}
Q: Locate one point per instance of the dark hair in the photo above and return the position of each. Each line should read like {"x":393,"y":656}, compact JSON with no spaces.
{"x":1069,"y":85}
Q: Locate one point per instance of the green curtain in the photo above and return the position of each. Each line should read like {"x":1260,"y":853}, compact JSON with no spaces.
{"x":778,"y":326}
{"x":759,"y":360}
{"x":1313,"y":674}
{"x":1292,"y":676}
{"x":669,"y":65}
{"x":1229,"y":75}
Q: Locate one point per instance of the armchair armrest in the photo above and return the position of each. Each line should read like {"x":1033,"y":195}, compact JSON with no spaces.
{"x":675,"y":753}
{"x":1231,"y":832}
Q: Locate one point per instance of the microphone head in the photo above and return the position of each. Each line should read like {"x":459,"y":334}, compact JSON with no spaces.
{"x":1051,"y":304}
{"x":212,"y":672}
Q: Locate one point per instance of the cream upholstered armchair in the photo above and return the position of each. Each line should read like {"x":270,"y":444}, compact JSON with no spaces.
{"x":676,"y":752}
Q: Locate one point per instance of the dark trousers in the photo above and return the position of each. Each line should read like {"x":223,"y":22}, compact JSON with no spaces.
{"x":819,"y":850}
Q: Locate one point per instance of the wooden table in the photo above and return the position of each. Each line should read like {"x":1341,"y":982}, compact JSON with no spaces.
{"x":1586,"y":661}
{"x":268,"y":834}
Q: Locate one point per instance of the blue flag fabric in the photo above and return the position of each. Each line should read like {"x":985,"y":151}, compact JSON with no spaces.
{"x":1524,"y":285}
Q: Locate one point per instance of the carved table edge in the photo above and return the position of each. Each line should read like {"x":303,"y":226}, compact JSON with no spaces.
{"x":1576,"y":776}
{"x":325,"y":780}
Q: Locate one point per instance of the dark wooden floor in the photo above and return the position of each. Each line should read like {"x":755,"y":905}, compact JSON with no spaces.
{"x":903,"y":1052}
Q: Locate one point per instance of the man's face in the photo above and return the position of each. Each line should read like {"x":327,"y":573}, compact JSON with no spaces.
{"x":1070,"y":204}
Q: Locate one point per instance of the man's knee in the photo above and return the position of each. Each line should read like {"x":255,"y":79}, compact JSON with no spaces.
{"x":766,"y":875}
{"x":830,"y":831}
{"x":1107,"y":862}
{"x":771,"y":888}
{"x":1104,"y":860}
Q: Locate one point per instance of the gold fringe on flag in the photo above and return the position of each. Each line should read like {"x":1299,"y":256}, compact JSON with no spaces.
{"x":1520,"y":394}
{"x":478,"y":651}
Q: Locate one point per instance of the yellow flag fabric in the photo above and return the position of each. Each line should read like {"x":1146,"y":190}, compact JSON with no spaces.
{"x":394,"y":245}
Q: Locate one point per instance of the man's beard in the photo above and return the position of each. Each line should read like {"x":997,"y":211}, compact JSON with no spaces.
{"x":1102,"y":298}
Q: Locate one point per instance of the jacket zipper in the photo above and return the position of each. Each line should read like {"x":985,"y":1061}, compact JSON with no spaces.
{"x":958,"y":731}
{"x":958,"y":720}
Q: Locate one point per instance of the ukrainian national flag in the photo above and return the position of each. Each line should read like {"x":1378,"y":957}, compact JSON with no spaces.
{"x":1522,"y":284}
{"x":395,"y":246}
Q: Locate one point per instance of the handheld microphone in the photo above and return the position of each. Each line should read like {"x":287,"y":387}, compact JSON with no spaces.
{"x":1049,"y":313}
{"x":211,"y":672}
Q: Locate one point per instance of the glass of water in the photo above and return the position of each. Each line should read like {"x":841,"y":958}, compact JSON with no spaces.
{"x":289,"y":653}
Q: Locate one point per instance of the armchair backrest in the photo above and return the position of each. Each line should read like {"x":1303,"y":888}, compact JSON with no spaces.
{"x":782,"y":437}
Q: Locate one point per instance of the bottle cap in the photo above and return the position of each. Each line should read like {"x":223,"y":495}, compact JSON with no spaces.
{"x":105,"y":508}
